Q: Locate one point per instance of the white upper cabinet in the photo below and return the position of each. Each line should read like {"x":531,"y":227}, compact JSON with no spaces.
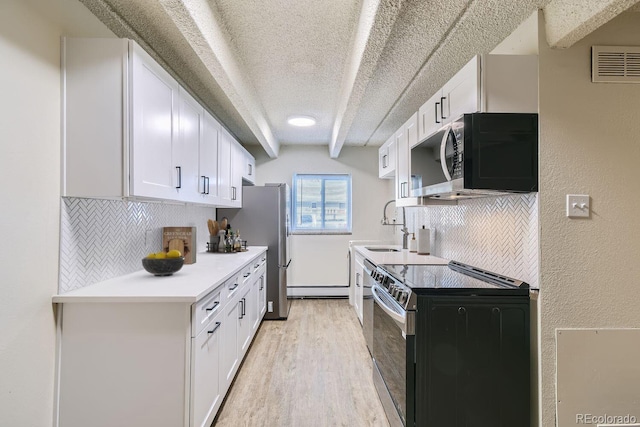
{"x":130,"y":130}
{"x":238,"y":166}
{"x":209,"y":166}
{"x":187,"y":150}
{"x":154,"y":121}
{"x":95,"y":129}
{"x":406,"y":137}
{"x":224,"y":168}
{"x":487,"y":83}
{"x":387,"y":159}
{"x":248,"y":168}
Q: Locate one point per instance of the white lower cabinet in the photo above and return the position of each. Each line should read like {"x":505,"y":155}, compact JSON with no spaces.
{"x":205,"y":379}
{"x":359,"y":281}
{"x":244,"y":321}
{"x":155,"y":364}
{"x":229,"y":364}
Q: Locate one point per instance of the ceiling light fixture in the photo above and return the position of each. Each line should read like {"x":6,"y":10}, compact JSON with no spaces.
{"x":301,"y":121}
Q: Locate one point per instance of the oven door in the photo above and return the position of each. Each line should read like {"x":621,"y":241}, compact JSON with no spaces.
{"x":392,"y":349}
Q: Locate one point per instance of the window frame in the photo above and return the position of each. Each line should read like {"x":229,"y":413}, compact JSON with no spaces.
{"x":324,"y":177}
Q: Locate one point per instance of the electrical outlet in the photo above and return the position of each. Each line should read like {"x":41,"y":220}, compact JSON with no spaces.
{"x":270,"y":307}
{"x":578,"y":206}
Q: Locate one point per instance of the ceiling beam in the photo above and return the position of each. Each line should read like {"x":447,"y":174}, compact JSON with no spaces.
{"x":568,"y":21}
{"x":375,"y":24}
{"x":199,"y":25}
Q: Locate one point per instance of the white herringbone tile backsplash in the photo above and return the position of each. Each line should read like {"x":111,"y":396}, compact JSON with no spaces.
{"x":102,"y":239}
{"x":499,"y":234}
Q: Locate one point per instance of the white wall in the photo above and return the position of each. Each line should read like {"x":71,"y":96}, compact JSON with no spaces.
{"x":30,"y":172}
{"x":589,"y":144}
{"x":322,"y":259}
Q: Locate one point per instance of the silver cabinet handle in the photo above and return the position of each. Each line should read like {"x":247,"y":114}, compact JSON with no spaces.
{"x":204,"y":184}
{"x":385,"y":161}
{"x":442,"y":98}
{"x":215,"y":329}
{"x":246,"y":275}
{"x":179,"y":170}
{"x":241,"y":311}
{"x":233,"y":288}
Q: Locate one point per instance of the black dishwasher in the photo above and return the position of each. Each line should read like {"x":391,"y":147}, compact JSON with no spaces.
{"x":471,"y":359}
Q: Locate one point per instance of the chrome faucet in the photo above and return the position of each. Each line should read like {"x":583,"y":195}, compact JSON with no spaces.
{"x":404,"y":229}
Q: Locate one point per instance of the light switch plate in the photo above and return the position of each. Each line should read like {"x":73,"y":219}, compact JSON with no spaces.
{"x":578,"y":206}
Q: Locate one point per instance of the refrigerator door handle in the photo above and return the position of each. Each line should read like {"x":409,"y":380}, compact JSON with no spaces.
{"x":284,"y":266}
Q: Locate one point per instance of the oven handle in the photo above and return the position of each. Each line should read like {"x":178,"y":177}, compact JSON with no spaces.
{"x":395,"y":316}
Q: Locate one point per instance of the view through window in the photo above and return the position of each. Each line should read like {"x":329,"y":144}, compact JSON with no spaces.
{"x":322,"y":203}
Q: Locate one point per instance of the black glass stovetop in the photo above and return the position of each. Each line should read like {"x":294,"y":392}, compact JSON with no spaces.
{"x":455,"y":278}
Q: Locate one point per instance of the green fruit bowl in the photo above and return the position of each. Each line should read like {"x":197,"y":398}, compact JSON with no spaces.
{"x":164,"y":266}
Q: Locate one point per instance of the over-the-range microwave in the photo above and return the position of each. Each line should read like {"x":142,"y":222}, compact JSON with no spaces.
{"x":477,"y":155}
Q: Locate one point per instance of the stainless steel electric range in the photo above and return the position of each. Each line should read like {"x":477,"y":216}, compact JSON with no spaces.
{"x":450,"y":346}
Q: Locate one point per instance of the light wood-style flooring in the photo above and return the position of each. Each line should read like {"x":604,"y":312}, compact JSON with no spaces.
{"x":310,"y":370}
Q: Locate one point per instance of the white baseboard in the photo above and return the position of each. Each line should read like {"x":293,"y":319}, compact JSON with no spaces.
{"x":318,"y":291}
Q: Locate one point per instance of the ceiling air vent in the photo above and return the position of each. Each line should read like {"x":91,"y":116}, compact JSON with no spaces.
{"x":615,"y":64}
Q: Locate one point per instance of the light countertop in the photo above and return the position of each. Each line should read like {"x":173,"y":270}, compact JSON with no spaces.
{"x":403,"y":256}
{"x":191,"y":283}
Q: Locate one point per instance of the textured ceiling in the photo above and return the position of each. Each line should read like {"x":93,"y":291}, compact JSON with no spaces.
{"x":360,"y":67}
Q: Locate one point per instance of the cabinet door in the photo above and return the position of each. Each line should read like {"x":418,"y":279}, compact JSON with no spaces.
{"x":253,"y":307}
{"x":358,"y":298}
{"x":262,"y":296}
{"x":224,"y":169}
{"x":238,"y":165}
{"x":461,"y":94}
{"x":186,"y":151}
{"x":205,"y":374}
{"x":406,"y":137}
{"x":209,"y":152}
{"x":430,"y":116}
{"x":472,"y":362}
{"x":229,"y":364}
{"x":244,"y":321}
{"x":387,"y":159}
{"x":359,"y":279}
{"x":249,"y":168}
{"x":402,"y":169}
{"x":154,"y":121}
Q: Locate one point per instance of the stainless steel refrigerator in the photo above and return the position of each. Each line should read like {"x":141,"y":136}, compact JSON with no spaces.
{"x":263,"y":220}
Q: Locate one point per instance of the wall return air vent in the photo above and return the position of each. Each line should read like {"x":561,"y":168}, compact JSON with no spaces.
{"x":615,"y":64}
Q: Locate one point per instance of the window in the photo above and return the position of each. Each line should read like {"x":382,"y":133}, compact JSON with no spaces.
{"x":322,"y":203}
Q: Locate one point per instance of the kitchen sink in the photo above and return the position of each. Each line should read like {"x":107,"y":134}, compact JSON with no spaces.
{"x":382,"y":249}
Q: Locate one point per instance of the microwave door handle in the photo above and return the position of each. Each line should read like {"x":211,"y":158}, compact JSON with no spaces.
{"x":443,"y":152}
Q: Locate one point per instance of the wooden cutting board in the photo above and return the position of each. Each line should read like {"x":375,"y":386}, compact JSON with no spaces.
{"x":182,"y":239}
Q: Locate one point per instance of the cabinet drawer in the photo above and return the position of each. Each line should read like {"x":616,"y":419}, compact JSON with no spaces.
{"x":258,"y":263}
{"x":206,"y":309}
{"x":232,"y":285}
{"x":246,"y":273}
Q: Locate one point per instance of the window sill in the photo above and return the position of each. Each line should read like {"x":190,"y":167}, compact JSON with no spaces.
{"x":322,"y":232}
